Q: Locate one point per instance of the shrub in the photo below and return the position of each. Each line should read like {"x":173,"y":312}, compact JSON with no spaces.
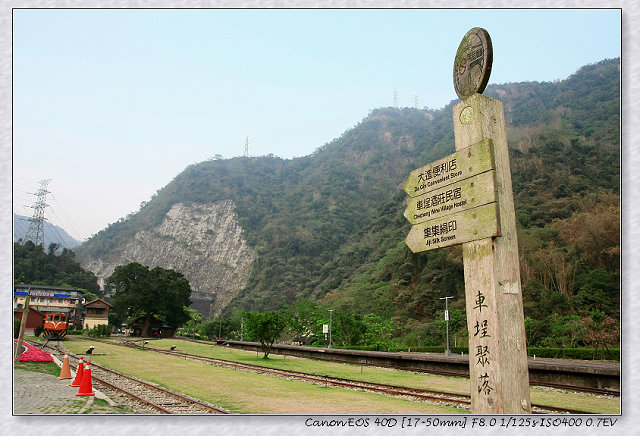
{"x":75,"y":332}
{"x":100,"y":331}
{"x":38,"y":330}
{"x":575,"y":353}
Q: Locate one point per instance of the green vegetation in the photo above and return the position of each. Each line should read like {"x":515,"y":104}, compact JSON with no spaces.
{"x":247,"y":393}
{"x":140,"y":292}
{"x":266,"y":327}
{"x":44,"y":367}
{"x":33,"y":265}
{"x":329,"y":227}
{"x":100,"y":331}
{"x":243,"y":392}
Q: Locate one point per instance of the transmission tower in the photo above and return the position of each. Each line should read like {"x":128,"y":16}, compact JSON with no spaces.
{"x":395,"y":98}
{"x":35,"y":233}
{"x":246,"y":148}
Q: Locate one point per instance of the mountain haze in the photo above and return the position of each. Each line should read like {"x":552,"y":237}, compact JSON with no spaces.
{"x":263,"y":232}
{"x":52,"y":233}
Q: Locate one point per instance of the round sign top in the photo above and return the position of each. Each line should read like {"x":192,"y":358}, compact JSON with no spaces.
{"x":472,"y":66}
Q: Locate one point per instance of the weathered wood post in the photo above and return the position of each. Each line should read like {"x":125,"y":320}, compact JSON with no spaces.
{"x":23,"y":326}
{"x":497,"y":340}
{"x":466,"y":198}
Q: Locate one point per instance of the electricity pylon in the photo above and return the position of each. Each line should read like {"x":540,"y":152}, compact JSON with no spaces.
{"x":35,"y":233}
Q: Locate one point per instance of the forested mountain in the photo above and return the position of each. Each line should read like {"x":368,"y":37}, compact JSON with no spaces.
{"x":329,"y":227}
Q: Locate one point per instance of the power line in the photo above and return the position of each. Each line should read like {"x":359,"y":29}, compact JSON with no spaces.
{"x":63,"y":214}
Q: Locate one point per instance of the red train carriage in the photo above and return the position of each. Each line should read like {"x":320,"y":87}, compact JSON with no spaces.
{"x":55,"y":325}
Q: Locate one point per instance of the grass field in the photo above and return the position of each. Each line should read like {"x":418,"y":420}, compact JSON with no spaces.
{"x":243,"y":392}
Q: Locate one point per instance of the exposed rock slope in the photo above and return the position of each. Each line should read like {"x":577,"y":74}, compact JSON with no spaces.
{"x":204,"y":242}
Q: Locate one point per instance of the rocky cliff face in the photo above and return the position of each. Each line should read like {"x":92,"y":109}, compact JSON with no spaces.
{"x":204,"y":242}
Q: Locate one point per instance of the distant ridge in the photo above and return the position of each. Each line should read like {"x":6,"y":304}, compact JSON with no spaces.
{"x":262,"y":233}
{"x":52,"y":234}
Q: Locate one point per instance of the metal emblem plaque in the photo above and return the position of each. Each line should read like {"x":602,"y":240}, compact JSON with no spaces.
{"x":472,"y":66}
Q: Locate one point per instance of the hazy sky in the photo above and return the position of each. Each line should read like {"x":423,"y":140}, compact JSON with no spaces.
{"x":113,"y":104}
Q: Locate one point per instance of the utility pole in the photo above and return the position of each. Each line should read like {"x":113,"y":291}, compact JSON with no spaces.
{"x":35,"y":233}
{"x":23,"y":326}
{"x":330,"y":320}
{"x":446,"y":318}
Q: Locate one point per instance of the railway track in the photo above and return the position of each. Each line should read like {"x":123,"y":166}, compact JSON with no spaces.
{"x":139,"y":395}
{"x":563,"y":387}
{"x":462,"y":401}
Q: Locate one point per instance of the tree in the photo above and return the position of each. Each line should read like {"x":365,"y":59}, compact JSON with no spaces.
{"x":457,"y":322}
{"x":195,"y":317}
{"x":266,"y":327}
{"x":380,"y":331}
{"x":163,"y":293}
{"x":601,"y":331}
{"x":209,"y":329}
{"x":348,"y":328}
{"x":306,"y":318}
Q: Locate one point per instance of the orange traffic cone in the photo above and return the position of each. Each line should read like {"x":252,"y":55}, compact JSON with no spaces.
{"x":79,"y":371}
{"x":65,"y":372}
{"x":85,"y":384}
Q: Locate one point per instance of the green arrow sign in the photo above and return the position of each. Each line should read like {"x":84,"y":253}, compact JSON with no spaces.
{"x":469,"y":225}
{"x":469,"y":193}
{"x":460,"y":165}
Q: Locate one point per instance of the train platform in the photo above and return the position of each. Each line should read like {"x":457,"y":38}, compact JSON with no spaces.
{"x":36,"y":393}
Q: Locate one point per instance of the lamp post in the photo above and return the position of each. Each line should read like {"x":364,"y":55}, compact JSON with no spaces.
{"x":330,"y":320}
{"x":446,"y":317}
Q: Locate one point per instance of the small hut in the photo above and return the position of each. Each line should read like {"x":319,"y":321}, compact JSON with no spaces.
{"x":34,"y":319}
{"x":157,"y":329}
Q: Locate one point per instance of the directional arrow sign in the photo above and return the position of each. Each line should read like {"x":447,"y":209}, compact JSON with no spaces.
{"x":460,"y":165}
{"x":469,"y":225}
{"x":469,"y":193}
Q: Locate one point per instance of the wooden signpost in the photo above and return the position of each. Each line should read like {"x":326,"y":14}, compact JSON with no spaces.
{"x":475,"y":209}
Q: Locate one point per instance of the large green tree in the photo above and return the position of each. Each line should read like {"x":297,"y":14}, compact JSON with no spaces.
{"x":266,"y":327}
{"x":159,"y":292}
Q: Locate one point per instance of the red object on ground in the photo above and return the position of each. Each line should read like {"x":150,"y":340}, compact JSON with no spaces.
{"x":34,"y":354}
{"x":79,"y":372}
{"x":85,"y":384}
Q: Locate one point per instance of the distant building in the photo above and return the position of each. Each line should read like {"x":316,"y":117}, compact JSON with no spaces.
{"x":156,"y":328}
{"x":46,"y":298}
{"x":97,"y":313}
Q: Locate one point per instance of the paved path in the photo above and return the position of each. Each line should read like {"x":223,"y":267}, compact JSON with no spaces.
{"x":39,"y":393}
{"x":44,"y":394}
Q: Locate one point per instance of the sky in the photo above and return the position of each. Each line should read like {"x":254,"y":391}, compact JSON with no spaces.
{"x":112,"y":104}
